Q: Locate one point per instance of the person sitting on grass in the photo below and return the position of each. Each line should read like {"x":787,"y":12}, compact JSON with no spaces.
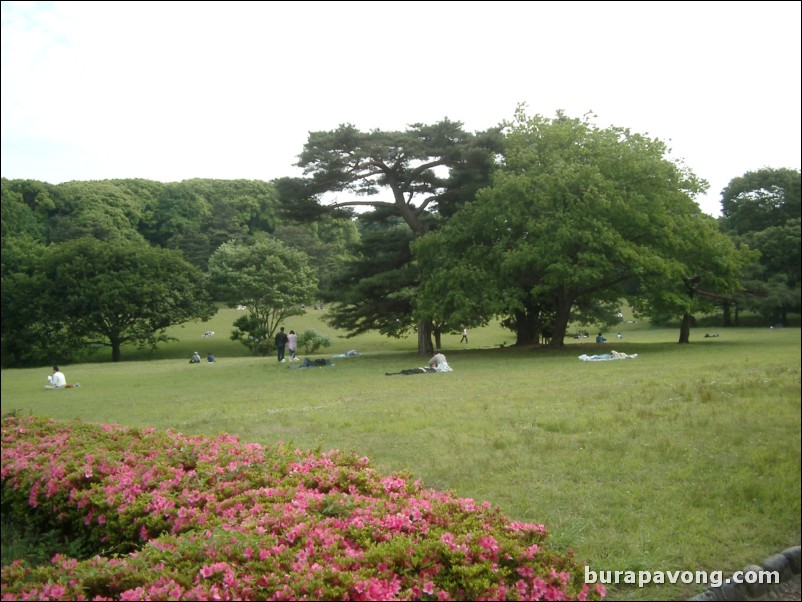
{"x":57,"y":380}
{"x":438,"y":363}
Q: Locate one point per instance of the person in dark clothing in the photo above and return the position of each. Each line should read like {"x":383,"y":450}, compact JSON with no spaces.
{"x":410,"y":371}
{"x":281,"y":344}
{"x":319,"y":362}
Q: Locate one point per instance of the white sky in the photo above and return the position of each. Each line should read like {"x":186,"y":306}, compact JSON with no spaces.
{"x":169,"y":91}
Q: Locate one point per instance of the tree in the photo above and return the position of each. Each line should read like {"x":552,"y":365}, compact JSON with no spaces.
{"x":176,"y":221}
{"x":773,"y":288}
{"x":97,"y":209}
{"x":310,"y":341}
{"x":425,"y":169}
{"x":761,"y":199}
{"x":575,"y":219}
{"x":271,"y":280}
{"x":375,"y":288}
{"x":237,"y":211}
{"x":761,"y":210}
{"x":706,"y":269}
{"x":28,"y":338}
{"x":327,"y":242}
{"x":22,"y":208}
{"x":113,"y":293}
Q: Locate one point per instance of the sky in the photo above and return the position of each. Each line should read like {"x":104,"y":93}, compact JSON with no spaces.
{"x":170,"y":91}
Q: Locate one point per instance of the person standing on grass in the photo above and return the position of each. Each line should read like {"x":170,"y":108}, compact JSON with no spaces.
{"x":281,"y":343}
{"x":292,"y":345}
{"x":464,"y":335}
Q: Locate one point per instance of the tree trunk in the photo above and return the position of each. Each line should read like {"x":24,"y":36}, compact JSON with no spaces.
{"x":685,"y":329}
{"x":116,"y":352}
{"x":425,"y":347}
{"x":560,"y":326}
{"x":727,"y":308}
{"x":525,"y":327}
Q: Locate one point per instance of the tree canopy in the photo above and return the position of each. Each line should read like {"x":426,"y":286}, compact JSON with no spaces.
{"x":193,"y":218}
{"x":375,"y":288}
{"x":421,"y":167}
{"x":421,"y":175}
{"x":761,"y":210}
{"x":86,"y":293}
{"x":576,"y":217}
{"x":271,"y":280}
{"x":761,"y":199}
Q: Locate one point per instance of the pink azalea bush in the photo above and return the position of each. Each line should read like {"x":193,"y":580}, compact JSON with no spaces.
{"x":198,"y":518}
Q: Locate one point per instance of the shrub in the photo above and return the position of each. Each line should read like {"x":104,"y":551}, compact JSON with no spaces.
{"x":204,"y":518}
{"x":311,"y":340}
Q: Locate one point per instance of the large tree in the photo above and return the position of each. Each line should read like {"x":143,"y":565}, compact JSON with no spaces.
{"x":705,"y":272}
{"x":376,"y":286}
{"x":419,"y":175}
{"x":328,"y":243}
{"x":271,"y":280}
{"x":577,"y":216}
{"x":111,"y":293}
{"x":27,"y":335}
{"x":25,"y":205}
{"x":761,"y":199}
{"x":761,"y":210}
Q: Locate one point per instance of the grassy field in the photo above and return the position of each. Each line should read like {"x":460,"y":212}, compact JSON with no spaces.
{"x":686,"y":458}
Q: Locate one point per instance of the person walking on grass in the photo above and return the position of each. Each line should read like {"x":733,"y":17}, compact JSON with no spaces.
{"x":281,"y":344}
{"x":464,"y":336}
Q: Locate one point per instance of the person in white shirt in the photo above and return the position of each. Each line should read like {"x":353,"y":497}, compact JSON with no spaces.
{"x":57,"y":380}
{"x":439,"y":363}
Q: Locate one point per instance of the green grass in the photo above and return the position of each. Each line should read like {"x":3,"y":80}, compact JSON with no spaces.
{"x":687,"y":458}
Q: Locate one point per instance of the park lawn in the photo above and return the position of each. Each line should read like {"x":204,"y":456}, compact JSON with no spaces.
{"x":686,"y":458}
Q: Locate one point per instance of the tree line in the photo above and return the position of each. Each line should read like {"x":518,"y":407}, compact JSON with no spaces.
{"x":539,"y":222}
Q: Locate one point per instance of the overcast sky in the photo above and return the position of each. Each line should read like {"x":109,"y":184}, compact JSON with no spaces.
{"x":169,"y":91}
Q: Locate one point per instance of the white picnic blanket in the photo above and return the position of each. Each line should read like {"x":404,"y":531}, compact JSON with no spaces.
{"x":603,"y":357}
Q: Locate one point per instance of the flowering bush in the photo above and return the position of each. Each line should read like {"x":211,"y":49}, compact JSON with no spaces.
{"x":200,"y":518}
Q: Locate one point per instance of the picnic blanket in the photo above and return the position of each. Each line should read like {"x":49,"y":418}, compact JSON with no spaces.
{"x":603,"y":357}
